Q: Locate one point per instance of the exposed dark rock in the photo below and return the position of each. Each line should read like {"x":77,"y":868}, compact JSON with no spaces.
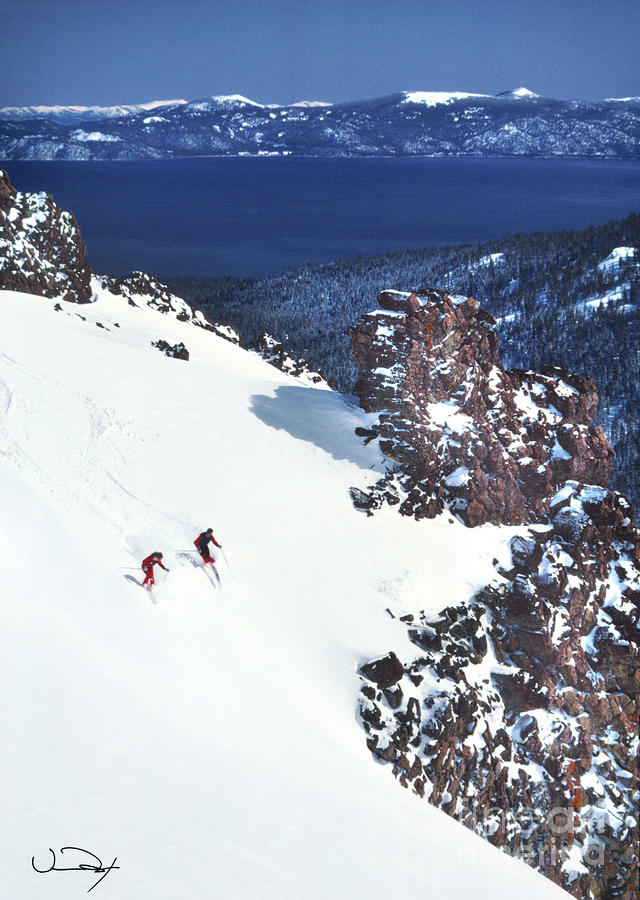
{"x":178,"y":351}
{"x":140,"y":288}
{"x":526,"y":554}
{"x":541,"y":757}
{"x":520,"y":691}
{"x":384,"y":672}
{"x":41,"y":249}
{"x":276,"y":354}
{"x":463,"y":433}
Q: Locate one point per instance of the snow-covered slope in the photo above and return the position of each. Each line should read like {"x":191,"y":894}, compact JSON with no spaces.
{"x":67,"y":114}
{"x":415,"y":123}
{"x":206,"y":738}
{"x":435,"y":98}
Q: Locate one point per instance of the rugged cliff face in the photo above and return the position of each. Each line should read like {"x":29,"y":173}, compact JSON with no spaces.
{"x":41,"y":249}
{"x":518,"y":713}
{"x":491,"y":445}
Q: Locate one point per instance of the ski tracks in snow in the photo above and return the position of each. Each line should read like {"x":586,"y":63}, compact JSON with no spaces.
{"x":194,"y":559}
{"x":44,"y":423}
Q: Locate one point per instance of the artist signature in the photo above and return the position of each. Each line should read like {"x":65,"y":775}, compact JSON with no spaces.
{"x":82,"y":863}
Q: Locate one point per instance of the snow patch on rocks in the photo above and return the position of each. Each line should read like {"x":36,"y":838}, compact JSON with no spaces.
{"x":517,"y":714}
{"x":429,"y":367}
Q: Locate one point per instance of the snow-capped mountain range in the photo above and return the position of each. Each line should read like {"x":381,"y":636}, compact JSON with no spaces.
{"x":217,"y":717}
{"x":79,"y":114}
{"x":411,"y":123}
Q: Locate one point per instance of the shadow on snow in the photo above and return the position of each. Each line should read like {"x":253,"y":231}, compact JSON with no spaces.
{"x":319,"y":417}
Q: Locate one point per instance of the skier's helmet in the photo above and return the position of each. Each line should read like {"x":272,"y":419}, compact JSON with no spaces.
{"x":209,"y":530}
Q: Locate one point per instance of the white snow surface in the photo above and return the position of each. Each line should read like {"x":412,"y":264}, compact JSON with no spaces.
{"x":491,"y":259}
{"x":83,"y":112}
{"x":206,"y":738}
{"x":613,"y":296}
{"x":617,"y":255}
{"x":308,"y":104}
{"x":521,"y":93}
{"x":222,"y":100}
{"x":94,"y":136}
{"x":435,"y":98}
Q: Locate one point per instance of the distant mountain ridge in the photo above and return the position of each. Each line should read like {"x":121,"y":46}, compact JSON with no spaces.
{"x":67,"y":114}
{"x":411,"y":123}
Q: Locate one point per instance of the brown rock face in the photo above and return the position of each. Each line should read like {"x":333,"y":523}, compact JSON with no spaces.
{"x":41,"y":249}
{"x":491,"y":445}
{"x":7,"y":192}
{"x":384,"y":672}
{"x":531,"y":738}
{"x":530,"y":734}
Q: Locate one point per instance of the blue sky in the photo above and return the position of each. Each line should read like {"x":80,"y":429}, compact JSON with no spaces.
{"x":278,"y":51}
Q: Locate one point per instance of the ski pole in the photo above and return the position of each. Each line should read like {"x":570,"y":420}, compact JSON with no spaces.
{"x":227,"y":562}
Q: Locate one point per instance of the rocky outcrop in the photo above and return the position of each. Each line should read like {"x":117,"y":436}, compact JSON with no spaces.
{"x":518,"y":715}
{"x":140,"y":288}
{"x":518,"y":712}
{"x":177,"y":351}
{"x":41,"y":248}
{"x":277,"y":355}
{"x":488,"y":444}
{"x":42,"y":252}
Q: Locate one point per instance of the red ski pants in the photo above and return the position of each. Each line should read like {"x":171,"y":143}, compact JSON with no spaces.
{"x":206,"y":558}
{"x":149,"y":579}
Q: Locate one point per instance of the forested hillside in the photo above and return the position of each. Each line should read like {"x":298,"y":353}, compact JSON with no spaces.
{"x":416,"y":123}
{"x":567,"y":298}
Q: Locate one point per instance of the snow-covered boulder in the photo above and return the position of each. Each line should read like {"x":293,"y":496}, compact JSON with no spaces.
{"x":41,"y":248}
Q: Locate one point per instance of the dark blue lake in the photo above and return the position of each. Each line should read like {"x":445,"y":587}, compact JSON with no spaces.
{"x":247,"y":216}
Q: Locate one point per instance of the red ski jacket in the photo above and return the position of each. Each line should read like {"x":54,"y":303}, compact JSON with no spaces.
{"x":151,"y":561}
{"x":202,"y":542}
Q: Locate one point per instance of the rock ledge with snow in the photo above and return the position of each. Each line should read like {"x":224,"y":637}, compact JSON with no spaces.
{"x":464,"y":433}
{"x":518,"y":713}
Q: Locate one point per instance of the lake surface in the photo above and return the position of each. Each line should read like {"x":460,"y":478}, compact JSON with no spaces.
{"x":247,"y":216}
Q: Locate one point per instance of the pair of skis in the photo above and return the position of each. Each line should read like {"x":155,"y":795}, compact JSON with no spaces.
{"x":196,"y":560}
{"x":147,"y":587}
{"x":192,"y":554}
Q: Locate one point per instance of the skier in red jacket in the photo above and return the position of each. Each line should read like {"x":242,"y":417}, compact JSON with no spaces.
{"x":202,"y":545}
{"x":147,"y":567}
